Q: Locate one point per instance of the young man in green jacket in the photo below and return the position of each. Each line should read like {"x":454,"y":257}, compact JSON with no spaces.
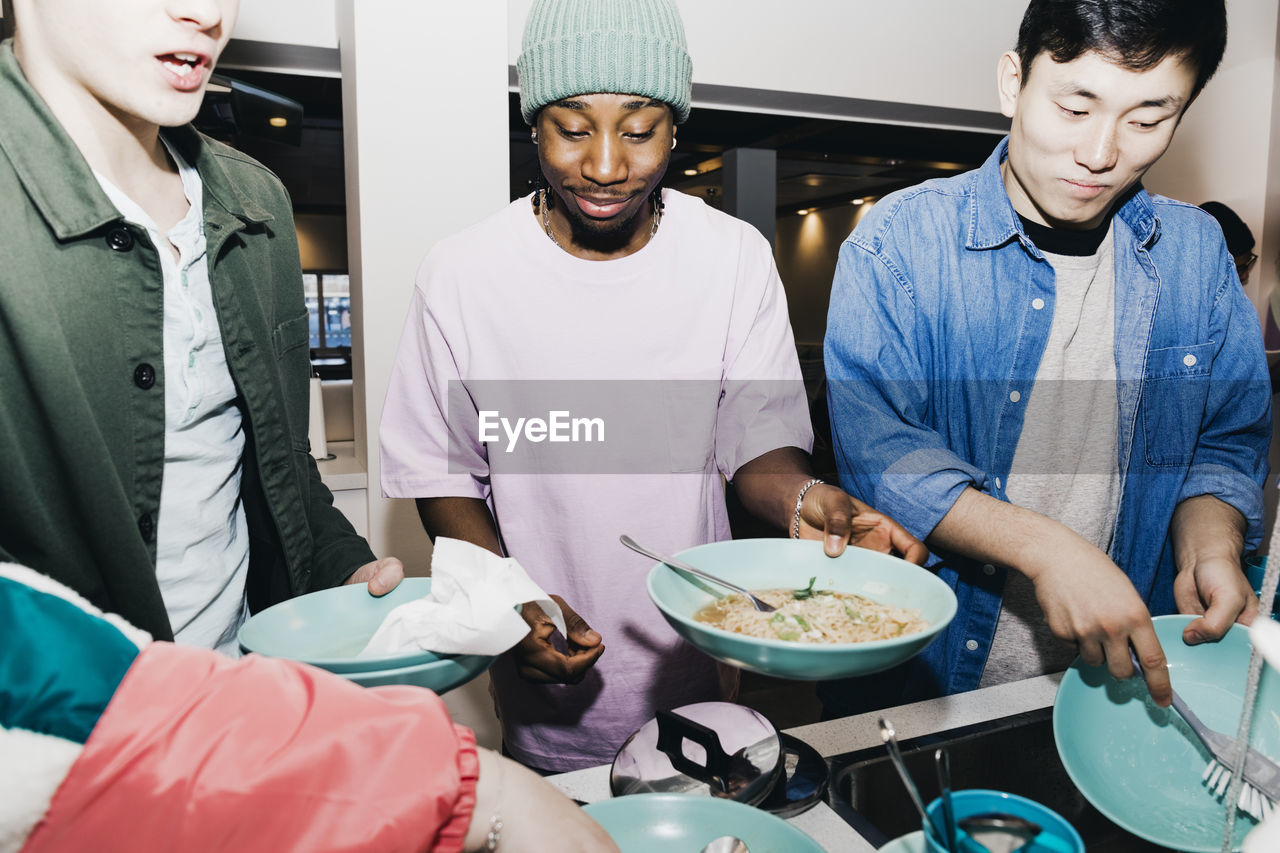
{"x":153,"y":334}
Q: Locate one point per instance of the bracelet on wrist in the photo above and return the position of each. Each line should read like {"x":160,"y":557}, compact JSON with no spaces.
{"x":495,"y":821}
{"x":795,"y":521}
{"x":495,"y":833}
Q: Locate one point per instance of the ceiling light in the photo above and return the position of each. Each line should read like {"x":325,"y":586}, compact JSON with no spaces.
{"x":690,"y":172}
{"x":277,"y":121}
{"x":859,"y":200}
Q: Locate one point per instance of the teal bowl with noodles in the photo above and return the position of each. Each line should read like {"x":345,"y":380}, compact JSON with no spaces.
{"x":759,"y":564}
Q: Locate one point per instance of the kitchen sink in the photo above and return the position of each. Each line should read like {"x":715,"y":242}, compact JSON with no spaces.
{"x":1014,"y":754}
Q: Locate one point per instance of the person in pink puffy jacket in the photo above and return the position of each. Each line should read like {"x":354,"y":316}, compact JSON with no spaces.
{"x":110,"y":741}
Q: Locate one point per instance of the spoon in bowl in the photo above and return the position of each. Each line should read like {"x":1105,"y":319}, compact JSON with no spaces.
{"x":760,"y":604}
{"x":726,"y":844}
{"x":890,"y":738}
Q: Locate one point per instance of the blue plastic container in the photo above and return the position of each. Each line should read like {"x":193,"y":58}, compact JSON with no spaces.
{"x":1056,"y":835}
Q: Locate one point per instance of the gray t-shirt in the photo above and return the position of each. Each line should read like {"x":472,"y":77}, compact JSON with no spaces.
{"x":1065,"y":466}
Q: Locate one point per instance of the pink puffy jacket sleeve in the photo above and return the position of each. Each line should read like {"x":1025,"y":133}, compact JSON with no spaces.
{"x":263,"y":755}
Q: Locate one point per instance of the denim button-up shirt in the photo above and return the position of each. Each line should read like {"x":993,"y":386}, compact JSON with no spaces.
{"x":940,"y":312}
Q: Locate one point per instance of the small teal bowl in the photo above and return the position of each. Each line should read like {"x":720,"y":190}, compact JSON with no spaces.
{"x":328,"y":629}
{"x":1056,"y":835}
{"x":774,"y":563}
{"x":664,"y":823}
{"x":1140,"y":765}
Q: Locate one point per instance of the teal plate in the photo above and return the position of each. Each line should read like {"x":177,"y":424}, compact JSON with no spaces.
{"x":329,"y":628}
{"x":443,"y":673}
{"x":773,"y":563}
{"x":667,"y":823}
{"x":1140,"y":765}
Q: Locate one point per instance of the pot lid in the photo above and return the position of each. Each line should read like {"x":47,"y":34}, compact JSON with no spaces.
{"x":714,"y":748}
{"x":803,"y":780}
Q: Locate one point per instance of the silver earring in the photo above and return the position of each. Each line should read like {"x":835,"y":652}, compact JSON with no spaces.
{"x":673,"y":143}
{"x":533,"y":135}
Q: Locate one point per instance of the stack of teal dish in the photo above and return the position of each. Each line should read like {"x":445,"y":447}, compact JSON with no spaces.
{"x":665,"y":823}
{"x":328,"y":629}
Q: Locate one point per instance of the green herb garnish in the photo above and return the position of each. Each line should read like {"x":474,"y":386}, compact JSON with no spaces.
{"x":807,"y":592}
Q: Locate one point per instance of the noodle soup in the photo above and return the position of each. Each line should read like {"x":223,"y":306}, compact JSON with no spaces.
{"x":812,"y":616}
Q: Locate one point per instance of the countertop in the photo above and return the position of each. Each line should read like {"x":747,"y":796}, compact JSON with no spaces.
{"x":344,"y":470}
{"x":863,"y":731}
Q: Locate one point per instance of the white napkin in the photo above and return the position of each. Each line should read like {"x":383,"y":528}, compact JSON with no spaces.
{"x":470,"y":609}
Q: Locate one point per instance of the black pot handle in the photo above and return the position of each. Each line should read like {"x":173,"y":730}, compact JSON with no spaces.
{"x":674,"y":729}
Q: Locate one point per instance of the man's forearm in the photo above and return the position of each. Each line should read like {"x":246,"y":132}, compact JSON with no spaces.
{"x":984,"y":528}
{"x":1206,"y":527}
{"x":467,"y":519}
{"x":768,"y":485}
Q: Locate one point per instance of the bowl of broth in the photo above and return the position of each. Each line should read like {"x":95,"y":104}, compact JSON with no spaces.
{"x":855,"y":614}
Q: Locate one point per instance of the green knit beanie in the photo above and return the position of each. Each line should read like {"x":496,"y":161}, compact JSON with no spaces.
{"x":579,"y":47}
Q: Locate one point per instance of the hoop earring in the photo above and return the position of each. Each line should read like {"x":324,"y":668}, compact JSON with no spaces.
{"x":533,"y":136}
{"x":673,"y":143}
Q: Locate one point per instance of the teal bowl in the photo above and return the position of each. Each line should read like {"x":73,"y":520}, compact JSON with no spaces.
{"x":664,"y":823}
{"x":773,"y":563}
{"x":328,"y":629}
{"x":1140,"y":765}
{"x":1056,"y":835}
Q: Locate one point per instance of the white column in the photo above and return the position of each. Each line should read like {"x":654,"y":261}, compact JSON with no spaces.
{"x":424,"y":90}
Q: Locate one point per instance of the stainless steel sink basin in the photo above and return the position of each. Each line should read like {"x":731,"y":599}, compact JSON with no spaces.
{"x":1014,"y":754}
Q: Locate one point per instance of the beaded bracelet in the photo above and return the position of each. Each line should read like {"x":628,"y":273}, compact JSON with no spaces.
{"x":795,"y":522}
{"x":495,"y":833}
{"x":495,"y":822}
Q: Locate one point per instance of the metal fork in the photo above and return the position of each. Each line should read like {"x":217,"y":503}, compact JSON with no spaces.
{"x":1261,"y":774}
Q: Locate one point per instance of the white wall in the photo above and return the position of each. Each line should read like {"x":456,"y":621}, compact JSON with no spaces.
{"x":1223,"y":150}
{"x":932,"y":52}
{"x":311,"y":23}
{"x":425,"y":140}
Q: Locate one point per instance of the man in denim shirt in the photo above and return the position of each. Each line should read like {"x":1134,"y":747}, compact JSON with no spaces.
{"x":1054,"y":376}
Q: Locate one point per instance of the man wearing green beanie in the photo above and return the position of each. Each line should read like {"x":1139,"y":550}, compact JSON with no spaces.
{"x":605,"y":287}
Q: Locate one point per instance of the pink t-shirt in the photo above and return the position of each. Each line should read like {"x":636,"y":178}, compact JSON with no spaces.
{"x":669,"y":368}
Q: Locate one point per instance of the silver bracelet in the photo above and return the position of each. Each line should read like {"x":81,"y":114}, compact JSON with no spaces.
{"x":795,"y":522}
{"x":495,"y":833}
{"x":495,"y":821}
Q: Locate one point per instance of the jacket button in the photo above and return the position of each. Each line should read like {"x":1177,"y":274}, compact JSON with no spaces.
{"x":119,"y":239}
{"x":146,"y":527}
{"x":144,"y":376}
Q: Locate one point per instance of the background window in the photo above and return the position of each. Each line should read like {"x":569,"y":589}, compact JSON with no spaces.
{"x":328,"y":296}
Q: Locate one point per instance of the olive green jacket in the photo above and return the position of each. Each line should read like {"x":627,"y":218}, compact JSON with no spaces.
{"x":82,"y":371}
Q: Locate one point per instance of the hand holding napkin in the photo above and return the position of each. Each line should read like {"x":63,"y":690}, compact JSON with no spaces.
{"x":471,"y":608}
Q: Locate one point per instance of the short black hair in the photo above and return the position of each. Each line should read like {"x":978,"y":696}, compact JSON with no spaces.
{"x":1135,"y":34}
{"x":1239,"y":237}
{"x":6,"y":25}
